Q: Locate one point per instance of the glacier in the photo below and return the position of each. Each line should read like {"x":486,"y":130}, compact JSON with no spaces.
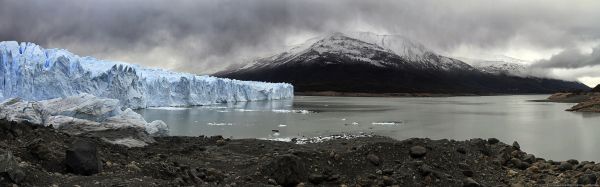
{"x":79,"y":114}
{"x":32,"y":73}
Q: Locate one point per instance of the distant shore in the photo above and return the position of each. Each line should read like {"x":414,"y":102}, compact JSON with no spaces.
{"x":586,"y":101}
{"x":42,"y":156}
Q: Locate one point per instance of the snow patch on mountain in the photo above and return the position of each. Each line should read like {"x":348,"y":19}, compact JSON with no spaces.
{"x":499,"y":64}
{"x":32,"y":73}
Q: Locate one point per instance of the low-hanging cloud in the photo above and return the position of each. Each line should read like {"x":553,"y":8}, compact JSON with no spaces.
{"x":203,"y":36}
{"x":571,"y":59}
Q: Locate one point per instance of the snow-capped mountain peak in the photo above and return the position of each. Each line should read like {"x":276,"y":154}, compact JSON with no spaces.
{"x":362,"y":47}
{"x":399,"y":44}
{"x":342,"y":44}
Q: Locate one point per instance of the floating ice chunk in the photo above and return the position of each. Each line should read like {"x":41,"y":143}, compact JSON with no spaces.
{"x":219,"y":124}
{"x":245,"y":110}
{"x":387,"y":123}
{"x":293,"y":111}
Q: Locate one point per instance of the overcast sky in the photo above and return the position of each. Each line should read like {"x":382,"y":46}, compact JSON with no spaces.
{"x":561,"y":38}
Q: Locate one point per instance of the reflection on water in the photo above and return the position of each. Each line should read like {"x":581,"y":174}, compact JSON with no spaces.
{"x":544,"y":129}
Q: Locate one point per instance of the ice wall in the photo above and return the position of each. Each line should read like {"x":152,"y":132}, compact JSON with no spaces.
{"x":30,"y":72}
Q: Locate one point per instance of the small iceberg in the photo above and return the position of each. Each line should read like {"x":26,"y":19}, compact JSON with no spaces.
{"x":219,"y":124}
{"x":293,"y":111}
{"x":390,"y":123}
{"x":245,"y":110}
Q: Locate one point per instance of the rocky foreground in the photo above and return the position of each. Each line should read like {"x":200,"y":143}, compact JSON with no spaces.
{"x":41,"y":156}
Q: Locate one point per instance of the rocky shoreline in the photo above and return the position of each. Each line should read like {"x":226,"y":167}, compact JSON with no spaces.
{"x":586,"y":101}
{"x":41,"y":156}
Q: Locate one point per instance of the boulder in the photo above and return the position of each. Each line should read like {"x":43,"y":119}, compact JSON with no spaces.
{"x":82,"y":158}
{"x":286,"y":170}
{"x":418,"y":151}
{"x":493,"y":141}
{"x":587,"y":179}
{"x":9,"y":166}
{"x":564,"y":166}
{"x":374,"y":159}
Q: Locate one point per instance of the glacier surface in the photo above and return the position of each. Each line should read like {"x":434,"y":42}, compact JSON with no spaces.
{"x":33,"y":73}
{"x":78,"y":114}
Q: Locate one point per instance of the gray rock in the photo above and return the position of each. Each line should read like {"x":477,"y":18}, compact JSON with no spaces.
{"x":517,"y":163}
{"x":388,"y":181}
{"x":316,"y":178}
{"x":418,"y":151}
{"x":587,"y":179}
{"x":564,"y":166}
{"x":516,"y":145}
{"x":10,"y":166}
{"x":469,"y":182}
{"x":287,"y":170}
{"x":492,"y":141}
{"x":529,"y":158}
{"x":425,"y":170}
{"x":388,"y":171}
{"x":573,"y":161}
{"x":374,"y":159}
{"x":468,"y":173}
{"x":82,"y":158}
{"x":221,"y":142}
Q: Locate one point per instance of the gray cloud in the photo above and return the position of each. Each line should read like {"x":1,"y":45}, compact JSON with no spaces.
{"x":571,"y":59}
{"x":203,"y":36}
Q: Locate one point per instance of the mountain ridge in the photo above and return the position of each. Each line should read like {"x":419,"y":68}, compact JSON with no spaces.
{"x":341,"y":63}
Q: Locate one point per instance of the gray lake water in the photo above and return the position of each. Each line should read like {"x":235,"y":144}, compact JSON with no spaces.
{"x":541,"y":128}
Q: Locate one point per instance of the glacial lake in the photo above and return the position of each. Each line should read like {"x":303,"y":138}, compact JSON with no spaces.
{"x":541,"y":128}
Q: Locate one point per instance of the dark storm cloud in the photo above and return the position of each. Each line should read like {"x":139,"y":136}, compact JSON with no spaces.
{"x":571,"y":59}
{"x":206,"y":35}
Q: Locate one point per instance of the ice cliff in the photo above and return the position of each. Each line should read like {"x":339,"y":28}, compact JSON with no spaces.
{"x":32,"y":73}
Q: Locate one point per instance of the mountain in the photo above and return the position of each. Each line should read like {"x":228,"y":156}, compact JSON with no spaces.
{"x":31,"y":72}
{"x":383,"y":64}
{"x":499,"y":64}
{"x":596,"y":89}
